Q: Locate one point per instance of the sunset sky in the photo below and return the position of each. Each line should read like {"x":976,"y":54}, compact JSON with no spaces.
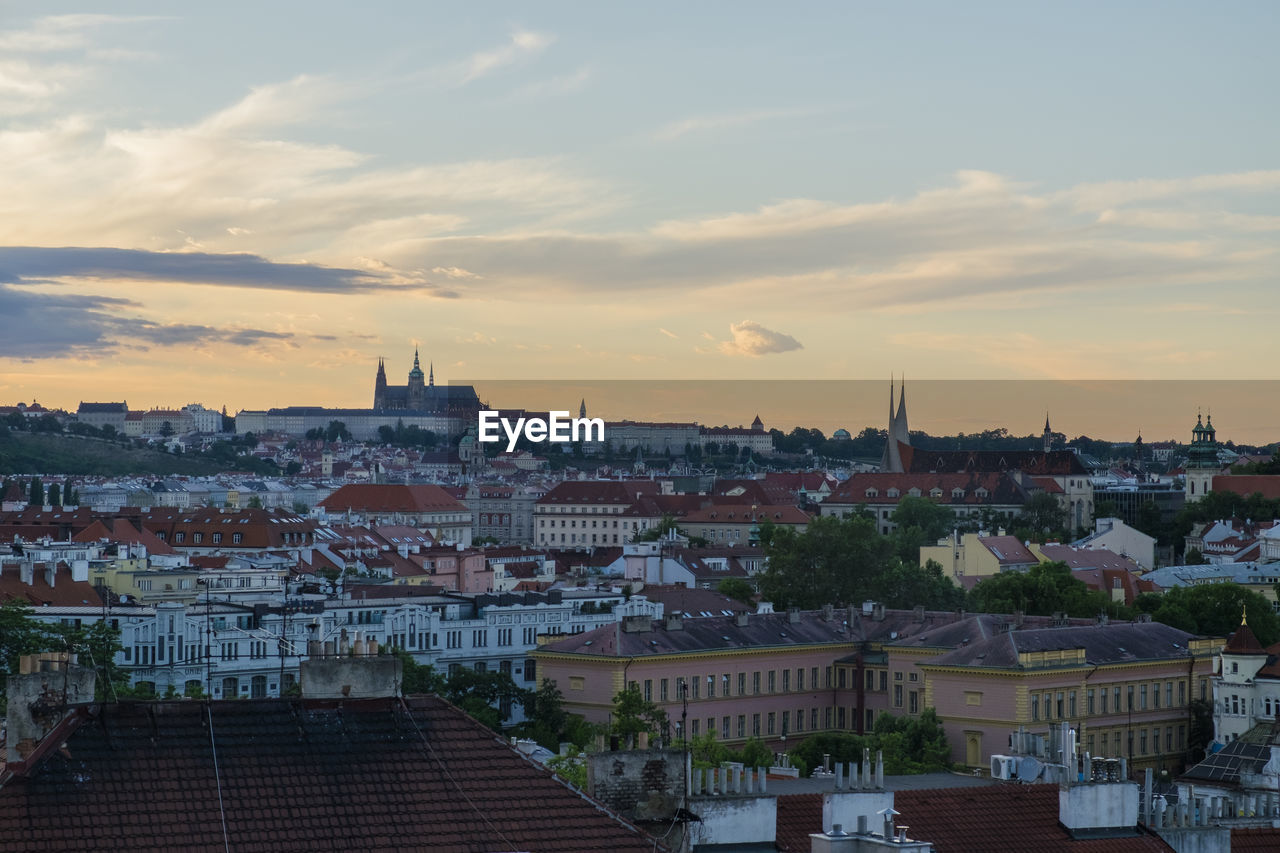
{"x":248,"y":203}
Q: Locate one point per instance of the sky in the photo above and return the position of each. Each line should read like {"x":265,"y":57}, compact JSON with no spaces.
{"x":248,"y":204}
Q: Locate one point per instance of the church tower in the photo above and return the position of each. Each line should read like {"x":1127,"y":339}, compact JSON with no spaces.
{"x":417,"y":397}
{"x":1047,"y":435}
{"x":1202,"y":459}
{"x":891,"y":459}
{"x":380,"y":387}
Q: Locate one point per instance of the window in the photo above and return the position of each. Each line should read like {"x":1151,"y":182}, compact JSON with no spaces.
{"x":236,"y":538}
{"x":742,"y":684}
{"x":1182,"y":692}
{"x":772,"y":723}
{"x":786,"y":681}
{"x":1142,"y":742}
{"x":813,"y":719}
{"x":742,"y":725}
{"x":1104,"y":700}
{"x":755,"y":683}
{"x":724,"y":728}
{"x":694,"y":728}
{"x":799,"y":719}
{"x":1089,"y":701}
{"x":799,"y":681}
{"x":648,"y":690}
{"x":711,"y":687}
{"x":897,"y":695}
{"x":662,"y":689}
{"x":695,"y":685}
{"x":913,"y":704}
{"x":1071,"y":704}
{"x":773,"y":681}
{"x":1142,"y":697}
{"x":1129,"y":693}
{"x":1168,"y":694}
{"x":530,"y":669}
{"x":1155,"y":695}
{"x":1060,"y":706}
{"x":724,"y":685}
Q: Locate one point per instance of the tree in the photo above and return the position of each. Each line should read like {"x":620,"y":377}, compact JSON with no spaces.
{"x":487,"y":696}
{"x":1194,"y":557}
{"x":910,"y":745}
{"x":336,"y":431}
{"x":835,"y":560}
{"x":1201,"y":732}
{"x":255,"y":502}
{"x":1043,"y":513}
{"x":1214,"y":610}
{"x":293,"y":468}
{"x":36,"y":495}
{"x":934,"y":520}
{"x":737,"y":589}
{"x":166,"y":429}
{"x":633,"y":714}
{"x":1044,"y":589}
{"x":55,"y":495}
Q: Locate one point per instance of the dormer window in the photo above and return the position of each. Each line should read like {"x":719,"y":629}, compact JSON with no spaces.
{"x":871,"y":493}
{"x":980,"y":492}
{"x":957,"y":493}
{"x":913,"y":492}
{"x":892,"y":493}
{"x":935,"y":492}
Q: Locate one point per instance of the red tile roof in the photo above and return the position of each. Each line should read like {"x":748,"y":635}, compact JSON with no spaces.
{"x":1243,"y":642}
{"x":977,"y":820}
{"x":305,"y":776}
{"x":1268,"y":485}
{"x":1261,"y":839}
{"x":64,"y":593}
{"x":375,"y":497}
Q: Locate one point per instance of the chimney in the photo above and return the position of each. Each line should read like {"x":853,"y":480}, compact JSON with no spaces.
{"x":51,"y":573}
{"x":45,"y":693}
{"x":877,"y":612}
{"x":917,"y":613}
{"x":80,"y":571}
{"x":26,"y":572}
{"x":828,"y":612}
{"x":742,"y":620}
{"x":368,"y":677}
{"x":673,"y":622}
{"x":640,"y":624}
{"x":793,"y":615}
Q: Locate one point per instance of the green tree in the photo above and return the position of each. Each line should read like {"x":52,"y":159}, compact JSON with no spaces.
{"x":1044,"y":589}
{"x":1044,"y":514}
{"x":1214,"y":610}
{"x":737,"y":589}
{"x":336,"y":431}
{"x":633,"y":714}
{"x":1201,"y":732}
{"x":488,"y":697}
{"x":293,"y":468}
{"x":255,"y":502}
{"x":546,"y":720}
{"x":166,"y":429}
{"x":36,"y":492}
{"x":934,"y":520}
{"x":55,"y":495}
{"x":1194,"y":557}
{"x":835,"y":560}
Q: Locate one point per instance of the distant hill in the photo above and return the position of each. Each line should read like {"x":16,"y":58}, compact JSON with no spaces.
{"x":51,"y":453}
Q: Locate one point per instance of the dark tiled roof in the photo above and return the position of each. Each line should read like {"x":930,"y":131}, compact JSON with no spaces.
{"x":338,"y":776}
{"x":1103,"y":644}
{"x":1035,"y":462}
{"x":1243,"y":642}
{"x":373,"y":497}
{"x":798,"y":815}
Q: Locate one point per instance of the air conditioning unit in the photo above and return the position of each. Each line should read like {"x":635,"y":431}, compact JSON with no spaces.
{"x":1005,"y":767}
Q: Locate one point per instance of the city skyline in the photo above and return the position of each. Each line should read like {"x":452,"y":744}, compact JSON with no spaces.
{"x":249,"y":206}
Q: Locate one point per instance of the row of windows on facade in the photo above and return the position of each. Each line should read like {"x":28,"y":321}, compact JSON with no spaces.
{"x":775,"y":723}
{"x":573,"y":522}
{"x":543,"y":539}
{"x":197,"y":538}
{"x":1136,"y":740}
{"x":693,"y":687}
{"x":1062,"y":704}
{"x":1238,"y":706}
{"x":255,"y":688}
{"x":588,"y":510}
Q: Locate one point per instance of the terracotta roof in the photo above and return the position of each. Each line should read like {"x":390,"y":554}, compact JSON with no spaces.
{"x":1088,"y":558}
{"x":1000,"y":488}
{"x":798,"y":815}
{"x":1268,"y":485}
{"x":64,"y":592}
{"x":1033,"y":462}
{"x":375,"y":497}
{"x":971,"y":820}
{"x":1008,"y":550}
{"x":1260,"y":839}
{"x":305,"y":776}
{"x":1243,"y":642}
{"x":597,"y":492}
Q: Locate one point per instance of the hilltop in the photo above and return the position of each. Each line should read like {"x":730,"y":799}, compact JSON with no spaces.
{"x":52,"y":453}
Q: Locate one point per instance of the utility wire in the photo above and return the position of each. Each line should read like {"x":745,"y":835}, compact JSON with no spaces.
{"x":454,"y":781}
{"x":217,"y":776}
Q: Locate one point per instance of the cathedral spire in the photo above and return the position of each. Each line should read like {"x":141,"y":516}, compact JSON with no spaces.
{"x":431,"y":373}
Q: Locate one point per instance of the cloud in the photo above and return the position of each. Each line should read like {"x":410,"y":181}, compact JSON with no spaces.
{"x":564,"y":84}
{"x":749,"y":338}
{"x":29,"y":263}
{"x":58,"y":33}
{"x":668,"y":334}
{"x":41,"y":325}
{"x":521,"y":45}
{"x":698,"y":124}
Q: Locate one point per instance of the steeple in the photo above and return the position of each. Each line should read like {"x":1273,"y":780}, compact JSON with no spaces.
{"x":891,"y":460}
{"x":901,"y":432}
{"x":582,"y":408}
{"x":416,"y":373}
{"x":1047,"y":435}
{"x":431,"y":373}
